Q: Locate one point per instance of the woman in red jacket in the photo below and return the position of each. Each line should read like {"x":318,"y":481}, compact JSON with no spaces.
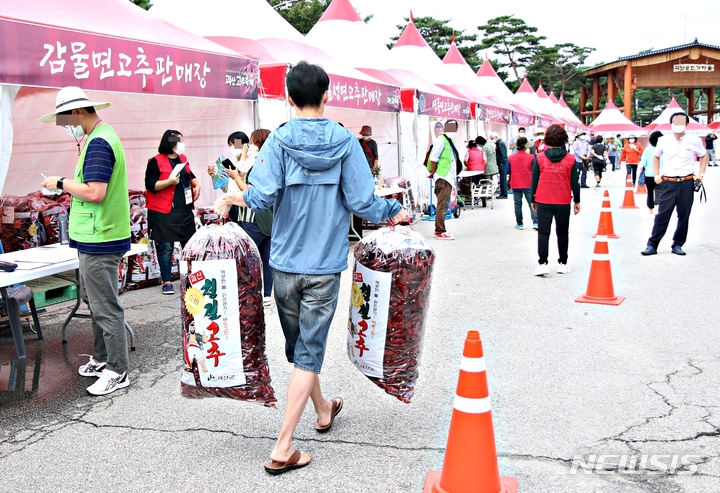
{"x":521,"y":181}
{"x":631,"y":154}
{"x":555,"y":183}
{"x":170,"y":197}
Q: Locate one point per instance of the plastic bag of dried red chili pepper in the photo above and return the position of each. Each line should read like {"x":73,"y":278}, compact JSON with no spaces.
{"x":223,"y":323}
{"x":388,"y":307}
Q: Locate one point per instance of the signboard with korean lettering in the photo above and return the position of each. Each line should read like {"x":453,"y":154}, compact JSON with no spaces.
{"x":369,"y":305}
{"x":693,"y":67}
{"x":493,"y":114}
{"x":212,"y":340}
{"x":42,"y":56}
{"x":359,"y":94}
{"x":522,"y":119}
{"x":443,"y":107}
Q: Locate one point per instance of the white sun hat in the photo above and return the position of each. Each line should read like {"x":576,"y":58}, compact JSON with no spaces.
{"x":71,"y":98}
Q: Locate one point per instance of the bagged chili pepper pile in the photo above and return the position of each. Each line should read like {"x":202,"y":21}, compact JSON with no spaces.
{"x":388,"y":307}
{"x":223,"y":323}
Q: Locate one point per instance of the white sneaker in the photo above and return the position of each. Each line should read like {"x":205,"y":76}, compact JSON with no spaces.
{"x":91,"y":369}
{"x":444,"y":236}
{"x":541,"y":270}
{"x":563,"y":269}
{"x":109,"y":382}
{"x":267,"y":301}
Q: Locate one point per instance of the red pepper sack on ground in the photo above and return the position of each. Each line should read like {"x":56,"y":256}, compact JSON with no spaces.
{"x":388,"y":308}
{"x":223,"y":323}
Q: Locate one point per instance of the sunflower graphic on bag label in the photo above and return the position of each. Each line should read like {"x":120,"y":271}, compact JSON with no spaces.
{"x":367,"y":326}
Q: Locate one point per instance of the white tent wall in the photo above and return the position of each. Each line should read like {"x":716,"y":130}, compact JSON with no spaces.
{"x":139,"y":120}
{"x":7,"y":97}
{"x":274,"y":112}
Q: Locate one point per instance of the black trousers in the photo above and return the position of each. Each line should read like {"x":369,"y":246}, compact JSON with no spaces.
{"x":632,"y":170}
{"x":502,"y":168}
{"x":545,"y":215}
{"x":582,"y":168}
{"x":651,"y":186}
{"x":673,"y":195}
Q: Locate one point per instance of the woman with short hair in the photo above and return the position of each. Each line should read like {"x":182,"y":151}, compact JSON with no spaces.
{"x":555,"y":184}
{"x":170,"y":198}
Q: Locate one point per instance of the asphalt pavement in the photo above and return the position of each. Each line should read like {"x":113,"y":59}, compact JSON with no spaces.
{"x":636,"y":384}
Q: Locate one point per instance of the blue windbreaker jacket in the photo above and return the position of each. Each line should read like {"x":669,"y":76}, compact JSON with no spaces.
{"x":315,"y":174}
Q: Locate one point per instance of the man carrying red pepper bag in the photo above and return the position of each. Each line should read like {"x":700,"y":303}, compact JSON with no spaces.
{"x":314,"y":173}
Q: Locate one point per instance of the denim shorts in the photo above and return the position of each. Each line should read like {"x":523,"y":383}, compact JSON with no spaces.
{"x":306,"y":305}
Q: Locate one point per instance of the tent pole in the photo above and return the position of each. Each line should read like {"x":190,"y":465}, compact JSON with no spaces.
{"x":401,"y":164}
{"x":256,"y":115}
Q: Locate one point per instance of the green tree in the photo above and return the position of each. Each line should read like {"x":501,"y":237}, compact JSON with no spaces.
{"x":303,"y":14}
{"x":513,"y":39}
{"x":439,"y":35}
{"x":142,"y":3}
{"x":559,"y":67}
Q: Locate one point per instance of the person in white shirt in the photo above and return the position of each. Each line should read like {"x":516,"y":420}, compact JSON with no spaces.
{"x":676,"y":183}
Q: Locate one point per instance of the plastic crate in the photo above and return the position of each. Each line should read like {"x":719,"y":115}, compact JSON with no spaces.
{"x":51,"y":290}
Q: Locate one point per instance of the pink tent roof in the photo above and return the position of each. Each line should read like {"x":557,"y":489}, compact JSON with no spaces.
{"x":547,"y":105}
{"x":487,"y":70}
{"x":115,"y":47}
{"x":342,"y":33}
{"x":569,"y":113}
{"x":526,"y":96}
{"x":662,"y":122}
{"x":410,"y":37}
{"x":276,"y":46}
{"x":454,"y":56}
{"x":611,"y":120}
{"x":340,"y":10}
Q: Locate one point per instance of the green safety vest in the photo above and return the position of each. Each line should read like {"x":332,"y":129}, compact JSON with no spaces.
{"x":445,"y":161}
{"x":110,"y":219}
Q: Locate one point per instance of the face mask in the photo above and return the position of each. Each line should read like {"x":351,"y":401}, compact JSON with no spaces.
{"x":521,"y":134}
{"x":235,"y":151}
{"x":180,"y":148}
{"x":678,"y":129}
{"x":74,"y":131}
{"x":366,"y":137}
{"x":632,"y":141}
{"x":451,"y":134}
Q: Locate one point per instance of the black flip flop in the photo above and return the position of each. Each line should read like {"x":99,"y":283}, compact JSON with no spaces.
{"x":277,"y":467}
{"x":337,"y":405}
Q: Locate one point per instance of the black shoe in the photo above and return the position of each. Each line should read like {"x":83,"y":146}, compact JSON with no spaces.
{"x":677,"y":250}
{"x":584,"y":186}
{"x":501,"y":197}
{"x":649,"y":251}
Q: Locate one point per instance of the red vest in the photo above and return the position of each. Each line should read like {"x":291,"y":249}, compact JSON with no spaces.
{"x":554,"y":185}
{"x":521,"y":170}
{"x":476,"y":161}
{"x":161,"y":201}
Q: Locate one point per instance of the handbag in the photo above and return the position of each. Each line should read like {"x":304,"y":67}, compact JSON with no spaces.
{"x":641,"y":178}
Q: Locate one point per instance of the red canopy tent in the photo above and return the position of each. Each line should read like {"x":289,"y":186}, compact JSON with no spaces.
{"x":120,"y":49}
{"x":355,"y":97}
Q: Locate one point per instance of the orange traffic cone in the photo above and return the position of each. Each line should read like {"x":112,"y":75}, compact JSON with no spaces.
{"x":641,"y":189}
{"x":600,"y":285}
{"x":629,"y":199}
{"x":606,"y":217}
{"x":470,"y":464}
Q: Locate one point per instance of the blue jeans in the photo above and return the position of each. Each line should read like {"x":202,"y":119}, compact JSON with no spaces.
{"x":518,"y":195}
{"x":165,"y":253}
{"x":306,"y":304}
{"x":263,"y":243}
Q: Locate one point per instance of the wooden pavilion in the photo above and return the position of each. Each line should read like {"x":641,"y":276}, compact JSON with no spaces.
{"x":689,"y":66}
